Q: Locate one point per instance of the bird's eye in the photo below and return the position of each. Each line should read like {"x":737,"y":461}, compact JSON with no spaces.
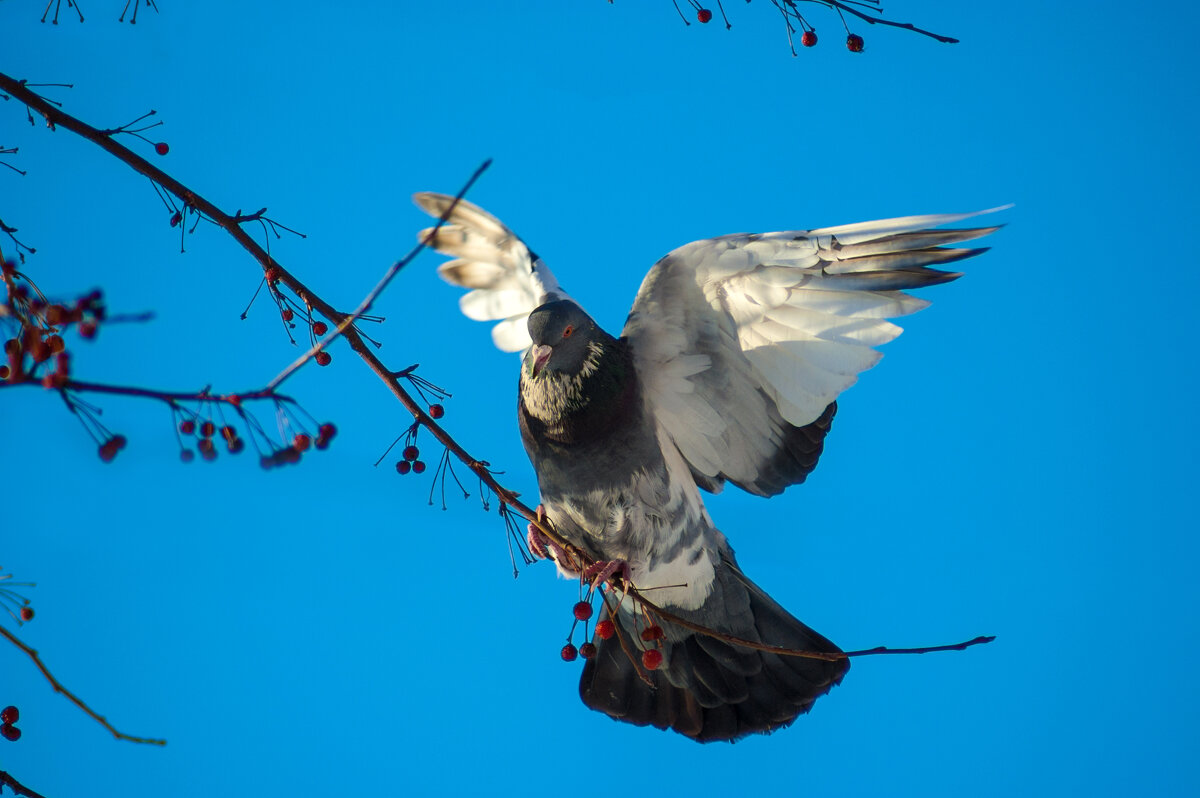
{"x":567,"y":332}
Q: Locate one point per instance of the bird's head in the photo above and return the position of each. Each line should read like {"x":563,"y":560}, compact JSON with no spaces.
{"x":562,"y":335}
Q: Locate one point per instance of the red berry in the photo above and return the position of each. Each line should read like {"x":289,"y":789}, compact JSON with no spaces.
{"x":582,"y":610}
{"x":287,"y":314}
{"x":704,"y":15}
{"x":176,"y":218}
{"x":809,"y":38}
{"x":302,"y":441}
{"x":236,"y":445}
{"x":10,"y":715}
{"x":187,"y":427}
{"x":87,"y":329}
{"x":327,"y":431}
{"x":187,"y":455}
{"x":320,"y":328}
{"x":3,"y":372}
{"x":10,"y":732}
{"x":55,"y":342}
{"x":436,"y":411}
{"x":854,"y":43}
{"x":418,"y":467}
{"x":228,"y":432}
{"x":161,"y":148}
{"x":26,"y":616}
{"x":654,"y":632}
{"x":569,"y":652}
{"x":119,"y":441}
{"x":652,"y":659}
{"x":403,"y":467}
{"x":107,"y":451}
{"x":323,"y":358}
{"x":272,"y":275}
{"x":411,"y":453}
{"x":208,"y":429}
{"x":587,"y":650}
{"x":605,"y":629}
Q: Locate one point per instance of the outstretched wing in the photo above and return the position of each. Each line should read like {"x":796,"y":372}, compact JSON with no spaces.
{"x":507,"y":280}
{"x":744,"y":342}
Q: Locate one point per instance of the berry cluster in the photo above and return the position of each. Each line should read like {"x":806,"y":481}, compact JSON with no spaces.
{"x":35,"y":348}
{"x":206,"y":424}
{"x":651,"y":635}
{"x":8,"y":718}
{"x":291,"y":311}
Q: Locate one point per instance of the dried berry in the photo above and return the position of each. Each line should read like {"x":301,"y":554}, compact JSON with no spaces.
{"x":652,"y":659}
{"x":26,"y":616}
{"x":287,"y":314}
{"x":320,"y":328}
{"x":569,"y":652}
{"x":208,"y":429}
{"x":10,"y":732}
{"x":302,"y":441}
{"x":605,"y":629}
{"x":411,"y":453}
{"x":10,"y":715}
{"x":809,"y":39}
{"x":854,"y":43}
{"x":582,"y":610}
{"x":403,"y":467}
{"x":161,"y":148}
{"x":187,"y":427}
{"x":323,"y":358}
{"x":654,"y":632}
{"x":418,"y":467}
{"x":587,"y":650}
{"x":704,"y":15}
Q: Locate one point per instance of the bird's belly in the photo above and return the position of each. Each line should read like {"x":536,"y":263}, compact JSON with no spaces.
{"x":653,"y":519}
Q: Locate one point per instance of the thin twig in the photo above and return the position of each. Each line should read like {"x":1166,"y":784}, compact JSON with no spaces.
{"x":58,"y":688}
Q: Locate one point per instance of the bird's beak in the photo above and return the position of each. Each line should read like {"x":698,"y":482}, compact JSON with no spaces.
{"x":538,"y":358}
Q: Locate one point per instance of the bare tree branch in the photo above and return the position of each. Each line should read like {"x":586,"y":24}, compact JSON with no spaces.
{"x":58,"y":688}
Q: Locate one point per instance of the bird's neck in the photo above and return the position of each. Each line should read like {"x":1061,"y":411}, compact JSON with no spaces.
{"x":575,"y":408}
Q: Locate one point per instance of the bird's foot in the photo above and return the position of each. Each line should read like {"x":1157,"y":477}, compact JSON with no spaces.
{"x":602,"y":571}
{"x":543,"y":547}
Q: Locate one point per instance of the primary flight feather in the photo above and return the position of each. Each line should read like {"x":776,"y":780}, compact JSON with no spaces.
{"x":727,"y":370}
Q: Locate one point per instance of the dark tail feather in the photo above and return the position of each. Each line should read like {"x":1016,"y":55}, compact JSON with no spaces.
{"x":708,"y":689}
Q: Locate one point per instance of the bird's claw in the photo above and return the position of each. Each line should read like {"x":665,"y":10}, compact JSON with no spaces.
{"x":602,"y":571}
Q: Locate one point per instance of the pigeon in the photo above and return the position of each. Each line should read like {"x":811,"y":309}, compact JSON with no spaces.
{"x":727,"y":371}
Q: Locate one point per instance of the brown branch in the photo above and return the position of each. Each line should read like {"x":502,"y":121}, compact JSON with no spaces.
{"x":169,"y":397}
{"x":58,"y":688}
{"x":17,"y":787}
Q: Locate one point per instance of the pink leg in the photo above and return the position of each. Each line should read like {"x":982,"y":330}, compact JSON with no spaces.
{"x":602,"y":571}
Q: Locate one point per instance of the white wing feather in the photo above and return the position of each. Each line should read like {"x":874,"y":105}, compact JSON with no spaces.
{"x":785,"y":322}
{"x":508,"y":281}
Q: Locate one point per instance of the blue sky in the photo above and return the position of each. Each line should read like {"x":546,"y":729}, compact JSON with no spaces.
{"x":1020,"y":464}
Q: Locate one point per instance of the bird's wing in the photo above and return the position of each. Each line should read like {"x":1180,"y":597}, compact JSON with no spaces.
{"x":744,"y":342}
{"x":507,"y":280}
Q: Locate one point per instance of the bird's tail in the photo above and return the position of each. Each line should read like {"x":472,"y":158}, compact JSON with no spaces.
{"x":706,"y":688}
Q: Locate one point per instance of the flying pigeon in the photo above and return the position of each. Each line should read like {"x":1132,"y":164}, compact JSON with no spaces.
{"x":727,"y":370}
